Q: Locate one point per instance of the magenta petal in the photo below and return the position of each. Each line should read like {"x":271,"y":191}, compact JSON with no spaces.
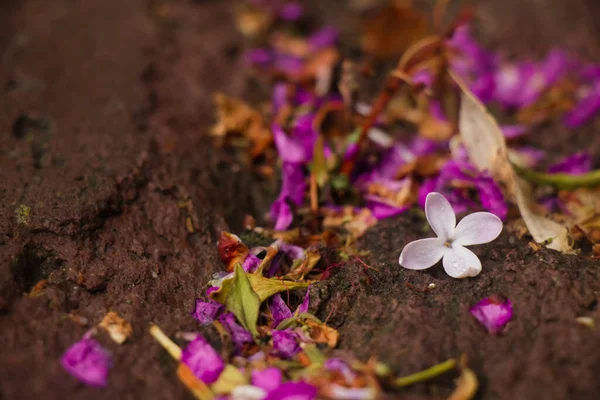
{"x":513,"y":131}
{"x":587,"y":108}
{"x":578,"y":163}
{"x":493,"y":312}
{"x":285,"y":343}
{"x":267,"y":379}
{"x":326,"y":37}
{"x":303,"y":307}
{"x":491,"y":196}
{"x":87,"y":361}
{"x":203,"y":360}
{"x":341,"y":366}
{"x":292,"y":251}
{"x":381,"y":209}
{"x":292,"y":190}
{"x":289,"y":149}
{"x":279,"y":310}
{"x":251,"y":263}
{"x":206,"y":312}
{"x":291,"y":12}
{"x":293,"y":391}
{"x":239,"y":335}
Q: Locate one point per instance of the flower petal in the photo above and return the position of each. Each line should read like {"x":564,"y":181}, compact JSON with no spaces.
{"x":440,"y":215}
{"x":203,"y":360}
{"x":293,"y":390}
{"x":422,"y":254}
{"x":239,"y":335}
{"x":87,"y":361}
{"x":279,"y":310}
{"x":206,"y":312}
{"x":285,"y":343}
{"x":267,"y":379}
{"x":477,"y":228}
{"x":493,"y":312}
{"x":460,"y":262}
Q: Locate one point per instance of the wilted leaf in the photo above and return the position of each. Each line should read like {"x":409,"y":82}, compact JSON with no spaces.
{"x":466,"y":387}
{"x":241,"y":299}
{"x":229,"y":379}
{"x":486,"y":147}
{"x":118,"y":328}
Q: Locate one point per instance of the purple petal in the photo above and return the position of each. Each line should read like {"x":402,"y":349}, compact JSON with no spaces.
{"x":292,"y":251}
{"x":280,"y":97}
{"x":259,"y":57}
{"x":491,"y":196}
{"x":303,"y":307}
{"x":267,"y":379}
{"x":493,"y":312}
{"x":251,"y":263}
{"x":285,"y":343}
{"x":585,"y":109}
{"x":292,"y":190}
{"x":578,"y":163}
{"x":341,"y":366}
{"x":239,"y":335}
{"x":326,"y":37}
{"x":381,"y":208}
{"x":206,"y":312}
{"x":424,"y":77}
{"x":291,"y":12}
{"x":203,"y":360}
{"x":293,"y":391}
{"x":279,"y":310}
{"x":87,"y":361}
{"x":290,"y":150}
{"x":513,"y":131}
{"x":429,"y":185}
{"x":287,"y":63}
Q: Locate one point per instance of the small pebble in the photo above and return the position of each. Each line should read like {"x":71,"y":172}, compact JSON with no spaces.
{"x":431,"y":286}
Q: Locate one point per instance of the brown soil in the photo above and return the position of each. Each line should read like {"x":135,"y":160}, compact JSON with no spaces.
{"x":104,"y":111}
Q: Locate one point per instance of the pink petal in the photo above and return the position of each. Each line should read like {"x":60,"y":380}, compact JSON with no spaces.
{"x":87,"y":361}
{"x":203,"y":360}
{"x":422,"y":254}
{"x":460,"y":262}
{"x":440,"y":215}
{"x":493,"y":312}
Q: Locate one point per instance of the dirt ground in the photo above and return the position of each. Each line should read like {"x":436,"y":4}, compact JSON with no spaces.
{"x":104,"y":111}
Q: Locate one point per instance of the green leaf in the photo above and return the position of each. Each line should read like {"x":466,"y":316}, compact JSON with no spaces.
{"x":427,"y":374}
{"x":560,"y":181}
{"x":319,"y":163}
{"x":354,"y":136}
{"x":229,"y":379}
{"x":340,"y":182}
{"x":240,"y":298}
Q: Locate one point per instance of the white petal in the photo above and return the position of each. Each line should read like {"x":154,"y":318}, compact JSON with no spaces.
{"x":477,"y":228}
{"x":440,"y":215}
{"x":460,"y":262}
{"x":422,"y":254}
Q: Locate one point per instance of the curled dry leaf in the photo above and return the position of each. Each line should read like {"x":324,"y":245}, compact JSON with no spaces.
{"x":486,"y":147}
{"x":118,"y":328}
{"x":466,"y":387}
{"x":321,"y":333}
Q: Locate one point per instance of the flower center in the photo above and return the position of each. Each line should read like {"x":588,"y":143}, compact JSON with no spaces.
{"x":448,"y":243}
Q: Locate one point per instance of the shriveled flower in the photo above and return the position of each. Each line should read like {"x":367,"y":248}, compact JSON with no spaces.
{"x":87,"y":361}
{"x":280,"y":310}
{"x":293,"y":391}
{"x":493,"y":312}
{"x":239,"y":335}
{"x":458,"y":261}
{"x":203,"y":360}
{"x":205,"y":312}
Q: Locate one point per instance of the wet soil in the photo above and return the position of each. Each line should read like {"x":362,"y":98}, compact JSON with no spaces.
{"x":111,"y":192}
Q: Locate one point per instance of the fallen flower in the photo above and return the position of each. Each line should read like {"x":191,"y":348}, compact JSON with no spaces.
{"x":459,"y":262}
{"x":203,"y":360}
{"x":87,"y":361}
{"x":493,"y":312}
{"x":268,"y":379}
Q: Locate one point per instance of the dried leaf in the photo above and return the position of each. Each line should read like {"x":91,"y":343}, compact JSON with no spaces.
{"x":195,"y":385}
{"x":118,"y":328}
{"x":319,"y":164}
{"x":466,"y":387}
{"x":486,"y":147}
{"x":393,"y":29}
{"x":321,"y":333}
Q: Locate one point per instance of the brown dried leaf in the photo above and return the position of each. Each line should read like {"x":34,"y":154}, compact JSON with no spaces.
{"x":390,"y":31}
{"x":466,"y":387}
{"x":118,"y":328}
{"x":321,"y":333}
{"x":486,"y":147}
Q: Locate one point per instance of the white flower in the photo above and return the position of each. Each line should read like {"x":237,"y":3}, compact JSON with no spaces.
{"x":459,"y":262}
